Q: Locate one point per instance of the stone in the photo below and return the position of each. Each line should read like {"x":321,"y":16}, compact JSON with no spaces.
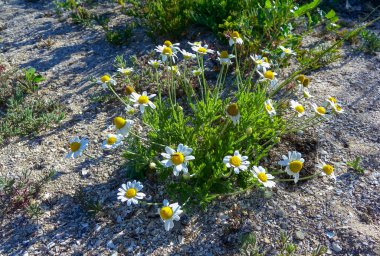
{"x":336,"y":247}
{"x":300,"y":235}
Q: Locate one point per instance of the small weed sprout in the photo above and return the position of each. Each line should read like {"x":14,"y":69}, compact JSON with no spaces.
{"x":356,"y":166}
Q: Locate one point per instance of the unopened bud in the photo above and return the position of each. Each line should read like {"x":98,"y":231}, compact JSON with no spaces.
{"x":249,"y":131}
{"x":152,"y":166}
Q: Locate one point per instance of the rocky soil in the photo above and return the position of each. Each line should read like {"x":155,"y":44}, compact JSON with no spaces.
{"x":344,"y":216}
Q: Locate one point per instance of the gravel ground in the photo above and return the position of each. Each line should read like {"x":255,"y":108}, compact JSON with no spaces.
{"x":344,"y":215}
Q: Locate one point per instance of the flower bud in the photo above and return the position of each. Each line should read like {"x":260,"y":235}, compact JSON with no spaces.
{"x":152,"y":166}
{"x":248,"y":131}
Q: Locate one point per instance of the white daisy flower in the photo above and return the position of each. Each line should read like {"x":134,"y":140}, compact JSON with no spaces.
{"x":225,"y":58}
{"x":155,"y":63}
{"x":306,"y":93}
{"x":334,"y":104}
{"x":174,"y":70}
{"x":237,"y":162}
{"x":233,"y":112}
{"x":297,"y":107}
{"x":293,"y":163}
{"x":104,"y":80}
{"x":269,"y":107}
{"x":202,"y":50}
{"x":77,"y":146}
{"x":286,"y":51}
{"x":188,"y":55}
{"x":326,"y":169}
{"x":319,"y":110}
{"x":125,"y":71}
{"x":235,"y":38}
{"x":174,"y":47}
{"x":112,"y":141}
{"x":267,"y":75}
{"x":166,"y":53}
{"x":197,"y":72}
{"x":195,"y":43}
{"x":130,"y":192}
{"x":261,"y":63}
{"x":142,"y":101}
{"x":122,"y":126}
{"x":178,"y":159}
{"x":264,"y":178}
{"x":168,"y":213}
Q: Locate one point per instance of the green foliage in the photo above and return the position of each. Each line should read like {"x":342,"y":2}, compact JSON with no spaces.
{"x":355,"y":165}
{"x":370,"y":42}
{"x":118,"y":36}
{"x":287,"y":247}
{"x":249,"y":245}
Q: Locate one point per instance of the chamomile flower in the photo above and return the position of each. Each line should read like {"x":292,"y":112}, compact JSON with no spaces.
{"x":188,"y":55}
{"x":334,"y":104}
{"x":293,"y":163}
{"x":197,"y":72}
{"x":195,"y":43}
{"x":168,"y":213}
{"x":129,"y":110}
{"x":306,"y":93}
{"x":269,"y":107}
{"x":166,"y":53}
{"x":225,"y":58}
{"x":77,"y":146}
{"x":297,"y":107}
{"x":286,"y":51}
{"x":112,"y":141}
{"x":235,"y":38}
{"x":264,"y":178}
{"x":129,"y":90}
{"x":174,"y":70}
{"x":261,"y":63}
{"x":233,"y":112}
{"x":155,"y":63}
{"x":125,"y":71}
{"x":142,"y":101}
{"x":202,"y":50}
{"x":267,"y":75}
{"x":174,"y":47}
{"x":130,"y":192}
{"x":178,"y":159}
{"x":122,"y":126}
{"x":319,"y":110}
{"x":104,"y":80}
{"x":237,"y":162}
{"x":326,"y":169}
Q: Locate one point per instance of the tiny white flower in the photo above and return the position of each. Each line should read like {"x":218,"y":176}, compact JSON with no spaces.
{"x":334,"y":105}
{"x":269,"y":107}
{"x":188,"y":55}
{"x":261,"y":63}
{"x":125,"y":71}
{"x":327,"y":170}
{"x":166,"y":53}
{"x":104,"y":80}
{"x":293,"y":163}
{"x":235,"y":38}
{"x":130,"y":192}
{"x":319,"y":110}
{"x":237,"y":162}
{"x":142,"y":101}
{"x":155,"y":63}
{"x":202,"y":50}
{"x":297,"y":107}
{"x":286,"y":51}
{"x":269,"y":76}
{"x":174,"y":70}
{"x":77,"y":146}
{"x":264,"y":178}
{"x":168,"y":213}
{"x":122,"y":126}
{"x":225,"y":58}
{"x":233,"y":112}
{"x":178,"y":159}
{"x":112,"y":141}
{"x":195,"y":43}
{"x":174,"y":47}
{"x":197,"y":72}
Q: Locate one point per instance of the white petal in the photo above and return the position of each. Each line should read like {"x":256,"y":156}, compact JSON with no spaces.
{"x":169,"y":224}
{"x":169,"y":150}
{"x":236,"y":170}
{"x":188,"y":158}
{"x":165,"y":155}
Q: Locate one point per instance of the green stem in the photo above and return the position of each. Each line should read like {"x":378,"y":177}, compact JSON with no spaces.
{"x":303,"y":178}
{"x":117,"y":96}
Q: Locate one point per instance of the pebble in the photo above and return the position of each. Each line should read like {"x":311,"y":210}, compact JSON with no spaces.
{"x":336,"y":247}
{"x":300,"y":235}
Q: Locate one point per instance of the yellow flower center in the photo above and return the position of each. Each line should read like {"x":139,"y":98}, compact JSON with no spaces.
{"x":266,"y":59}
{"x":202,"y":50}
{"x":300,"y":78}
{"x":105,"y":78}
{"x":130,"y":193}
{"x":259,"y":62}
{"x":235,"y":161}
{"x":268,"y":107}
{"x":269,"y":75}
{"x":167,"y":51}
{"x":295,"y":166}
{"x":321,"y":110}
{"x":111,"y":140}
{"x":299,"y":109}
{"x":74,"y":146}
{"x":235,"y":34}
{"x":177,"y":158}
{"x":328,"y":169}
{"x":143,"y":99}
{"x":332,"y":99}
{"x":338,"y":108}
{"x":166,"y":212}
{"x":306,"y":82}
{"x":129,"y":90}
{"x":119,"y":122}
{"x":286,"y":50}
{"x":233,"y":109}
{"x":167,"y":43}
{"x":224,"y":55}
{"x":262,"y":176}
